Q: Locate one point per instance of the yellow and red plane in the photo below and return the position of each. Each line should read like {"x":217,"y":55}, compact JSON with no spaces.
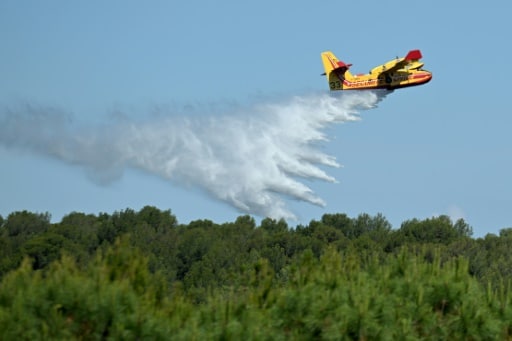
{"x":397,"y":73}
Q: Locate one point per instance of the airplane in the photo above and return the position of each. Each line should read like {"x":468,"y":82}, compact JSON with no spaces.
{"x":397,"y":73}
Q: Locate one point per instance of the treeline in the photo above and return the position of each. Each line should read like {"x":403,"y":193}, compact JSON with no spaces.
{"x":141,"y":274}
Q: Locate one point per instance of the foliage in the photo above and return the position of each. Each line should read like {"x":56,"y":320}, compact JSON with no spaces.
{"x":140,"y":275}
{"x":114,"y":298}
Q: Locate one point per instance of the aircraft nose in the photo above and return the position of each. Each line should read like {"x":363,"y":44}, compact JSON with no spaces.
{"x":429,"y":76}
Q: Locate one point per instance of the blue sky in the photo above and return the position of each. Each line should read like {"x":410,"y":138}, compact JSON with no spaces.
{"x":442,"y":148}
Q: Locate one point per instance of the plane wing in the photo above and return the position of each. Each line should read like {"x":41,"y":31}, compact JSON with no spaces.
{"x":411,"y":61}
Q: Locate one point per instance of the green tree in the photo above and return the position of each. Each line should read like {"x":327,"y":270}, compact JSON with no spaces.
{"x":156,"y":218}
{"x":492,"y":263}
{"x":433,"y":230}
{"x":18,"y":228}
{"x":463,"y":229}
{"x":341,"y":222}
{"x":194,"y":244}
{"x":82,"y":231}
{"x":44,"y":249}
{"x":25,"y":224}
{"x":246,"y":221}
{"x":274,"y":226}
{"x":115,"y":298}
{"x":378,"y":227}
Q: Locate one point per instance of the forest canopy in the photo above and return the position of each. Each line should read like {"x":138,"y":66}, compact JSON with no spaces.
{"x":141,"y":274}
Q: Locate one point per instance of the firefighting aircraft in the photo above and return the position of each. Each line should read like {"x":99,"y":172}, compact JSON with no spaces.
{"x":397,"y":73}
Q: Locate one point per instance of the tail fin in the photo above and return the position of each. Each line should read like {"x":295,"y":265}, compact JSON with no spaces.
{"x":335,"y":70}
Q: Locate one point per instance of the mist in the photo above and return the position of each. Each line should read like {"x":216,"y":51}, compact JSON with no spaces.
{"x":254,"y":158}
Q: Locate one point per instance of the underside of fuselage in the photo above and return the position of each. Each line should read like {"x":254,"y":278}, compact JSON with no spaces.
{"x":388,"y":81}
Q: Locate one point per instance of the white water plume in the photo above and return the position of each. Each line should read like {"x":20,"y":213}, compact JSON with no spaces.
{"x":253,"y":158}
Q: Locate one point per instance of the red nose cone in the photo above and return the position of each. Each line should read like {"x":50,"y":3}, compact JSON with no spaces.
{"x":422,"y":77}
{"x":428,"y":77}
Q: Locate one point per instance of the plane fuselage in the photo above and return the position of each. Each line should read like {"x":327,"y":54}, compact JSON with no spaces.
{"x":394,"y":74}
{"x":395,"y":80}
